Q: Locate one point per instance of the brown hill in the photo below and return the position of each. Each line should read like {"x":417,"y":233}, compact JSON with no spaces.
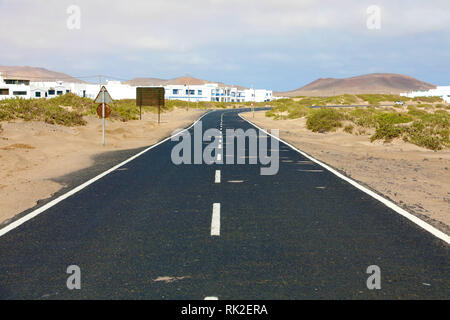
{"x":371,"y":83}
{"x":36,"y":74}
{"x":145,"y":82}
{"x":175,"y":81}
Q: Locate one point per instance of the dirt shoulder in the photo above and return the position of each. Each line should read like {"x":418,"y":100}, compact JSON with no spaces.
{"x":34,"y":154}
{"x":415,"y":178}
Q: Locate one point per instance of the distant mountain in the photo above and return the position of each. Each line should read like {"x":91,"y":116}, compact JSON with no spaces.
{"x":145,"y":82}
{"x":370,"y":83}
{"x":36,"y":74}
{"x":174,"y":81}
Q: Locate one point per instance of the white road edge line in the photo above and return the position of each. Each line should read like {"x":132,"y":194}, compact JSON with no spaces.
{"x":217,"y":180}
{"x":215,"y":221}
{"x":38,"y":211}
{"x":437,"y":233}
{"x":211,"y":298}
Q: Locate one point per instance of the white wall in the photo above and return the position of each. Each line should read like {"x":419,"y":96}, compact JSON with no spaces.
{"x":440,"y":91}
{"x":118,"y":91}
{"x":196,"y":92}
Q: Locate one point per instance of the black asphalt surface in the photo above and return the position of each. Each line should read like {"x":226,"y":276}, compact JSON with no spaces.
{"x":301,"y":234}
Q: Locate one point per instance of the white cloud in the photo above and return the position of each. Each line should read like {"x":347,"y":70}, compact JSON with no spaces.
{"x":181,"y":25}
{"x":219,"y":34}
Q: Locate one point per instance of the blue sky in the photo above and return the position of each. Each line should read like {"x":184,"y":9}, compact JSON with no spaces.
{"x":279,"y":45}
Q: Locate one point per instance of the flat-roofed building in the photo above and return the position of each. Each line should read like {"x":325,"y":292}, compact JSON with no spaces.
{"x":14,"y":88}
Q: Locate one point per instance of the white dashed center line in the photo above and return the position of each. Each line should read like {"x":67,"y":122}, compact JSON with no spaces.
{"x":215,"y":222}
{"x":217,"y":180}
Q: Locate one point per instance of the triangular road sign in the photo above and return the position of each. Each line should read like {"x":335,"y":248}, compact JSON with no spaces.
{"x":103,"y":96}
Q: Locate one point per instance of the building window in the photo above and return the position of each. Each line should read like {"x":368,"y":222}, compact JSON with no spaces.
{"x":59,"y":92}
{"x":19,"y":93}
{"x":190,"y":92}
{"x":4,"y":92}
{"x":37,"y":94}
{"x":51,"y":92}
{"x":200,"y":92}
{"x":175,"y":91}
{"x":67,"y":91}
{"x":14,"y":81}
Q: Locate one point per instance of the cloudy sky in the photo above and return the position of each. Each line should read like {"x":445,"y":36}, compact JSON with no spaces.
{"x":277,"y":44}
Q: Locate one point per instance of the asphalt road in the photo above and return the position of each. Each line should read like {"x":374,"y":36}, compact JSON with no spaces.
{"x":303,"y":233}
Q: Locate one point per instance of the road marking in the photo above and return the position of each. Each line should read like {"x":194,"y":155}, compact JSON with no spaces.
{"x":235,"y":181}
{"x":217,"y":180}
{"x":215,"y":221}
{"x":437,"y":233}
{"x":38,"y":211}
{"x":211,"y":298}
{"x":220,"y":146}
{"x":219,"y":157}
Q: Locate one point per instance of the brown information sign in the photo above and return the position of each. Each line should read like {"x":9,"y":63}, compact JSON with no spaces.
{"x":152,"y":97}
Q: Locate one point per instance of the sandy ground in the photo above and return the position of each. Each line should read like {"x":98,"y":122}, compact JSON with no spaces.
{"x":33,"y":153}
{"x":415,"y":178}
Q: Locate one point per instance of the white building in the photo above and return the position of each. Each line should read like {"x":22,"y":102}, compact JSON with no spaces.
{"x":10,"y":88}
{"x":257,"y":95}
{"x":440,"y":91}
{"x":14,"y":88}
{"x":193,"y":93}
{"x":51,"y":89}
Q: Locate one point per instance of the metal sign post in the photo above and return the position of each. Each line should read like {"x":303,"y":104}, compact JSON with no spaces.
{"x":103,"y":119}
{"x":254,"y":99}
{"x":103,"y":97}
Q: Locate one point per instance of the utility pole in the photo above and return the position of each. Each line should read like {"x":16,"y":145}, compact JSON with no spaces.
{"x":254,"y":100}
{"x":189,"y":91}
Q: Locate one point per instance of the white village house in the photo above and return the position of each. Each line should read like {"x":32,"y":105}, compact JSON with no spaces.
{"x":440,"y":91}
{"x":27,"y":89}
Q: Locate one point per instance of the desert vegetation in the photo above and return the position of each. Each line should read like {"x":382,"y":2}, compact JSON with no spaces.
{"x":423,"y":121}
{"x":69,"y":109}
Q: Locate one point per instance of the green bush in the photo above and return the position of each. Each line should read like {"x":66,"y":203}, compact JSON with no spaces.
{"x":428,"y":99}
{"x":348,"y":128}
{"x":48,"y":111}
{"x":375,"y":99}
{"x":413,"y":111}
{"x":387,"y":131}
{"x":364,"y":117}
{"x":392,"y":118}
{"x":324,"y":120}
